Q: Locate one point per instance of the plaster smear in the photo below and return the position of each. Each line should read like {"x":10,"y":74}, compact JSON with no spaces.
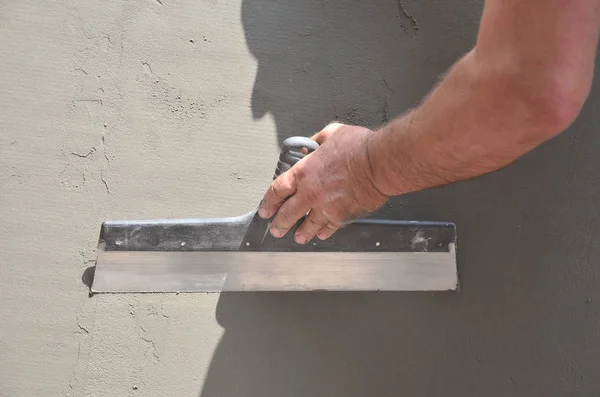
{"x":137,"y":339}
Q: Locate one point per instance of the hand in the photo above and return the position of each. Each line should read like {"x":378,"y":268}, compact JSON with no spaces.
{"x":335,"y":183}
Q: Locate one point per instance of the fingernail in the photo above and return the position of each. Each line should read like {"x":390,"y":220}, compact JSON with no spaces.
{"x":321,"y":236}
{"x":263,"y":213}
{"x":277,"y":233}
{"x":300,"y":239}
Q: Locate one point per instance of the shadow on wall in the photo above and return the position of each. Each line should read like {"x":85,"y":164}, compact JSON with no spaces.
{"x":320,"y":61}
{"x":364,"y":62}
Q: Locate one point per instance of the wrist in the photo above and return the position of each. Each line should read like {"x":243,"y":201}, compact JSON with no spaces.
{"x":377,"y":157}
{"x":389,"y":159}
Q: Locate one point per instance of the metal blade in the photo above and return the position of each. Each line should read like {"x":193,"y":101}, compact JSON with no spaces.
{"x":143,"y":271}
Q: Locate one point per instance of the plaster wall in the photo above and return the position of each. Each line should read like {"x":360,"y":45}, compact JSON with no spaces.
{"x":136,"y":109}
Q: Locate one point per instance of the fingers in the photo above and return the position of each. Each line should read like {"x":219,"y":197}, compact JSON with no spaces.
{"x":287,"y":216}
{"x":314,"y":222}
{"x":279,"y":191}
{"x":327,"y":231}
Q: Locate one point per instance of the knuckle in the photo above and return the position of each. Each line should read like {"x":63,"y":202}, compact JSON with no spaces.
{"x":315,"y":222}
{"x":311,"y":221}
{"x":333,"y":226}
{"x":327,"y":231}
{"x":312,"y":195}
{"x":274,"y":190}
{"x":333,"y":215}
{"x":281,"y":228}
{"x":282,"y":186}
{"x":298,"y":172}
{"x":282,"y":217}
{"x":327,"y":214}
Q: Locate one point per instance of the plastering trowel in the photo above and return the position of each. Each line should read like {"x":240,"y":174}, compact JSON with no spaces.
{"x":239,"y":254}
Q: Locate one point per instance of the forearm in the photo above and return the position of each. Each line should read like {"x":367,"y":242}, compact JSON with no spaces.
{"x":500,"y":101}
{"x":465,"y":128}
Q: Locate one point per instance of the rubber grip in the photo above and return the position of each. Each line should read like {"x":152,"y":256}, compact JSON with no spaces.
{"x":291,"y":152}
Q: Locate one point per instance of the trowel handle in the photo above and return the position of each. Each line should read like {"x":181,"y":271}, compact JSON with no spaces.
{"x":292,"y":152}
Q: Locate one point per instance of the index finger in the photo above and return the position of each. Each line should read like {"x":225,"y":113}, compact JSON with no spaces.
{"x":280,"y":190}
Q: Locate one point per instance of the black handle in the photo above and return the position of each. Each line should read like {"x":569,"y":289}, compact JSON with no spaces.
{"x":292,"y":151}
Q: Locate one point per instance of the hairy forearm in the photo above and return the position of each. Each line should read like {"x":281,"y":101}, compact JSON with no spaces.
{"x":466,"y":127}
{"x":498,"y":102}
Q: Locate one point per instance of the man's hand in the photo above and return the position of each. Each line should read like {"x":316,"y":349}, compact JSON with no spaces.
{"x":335,"y":183}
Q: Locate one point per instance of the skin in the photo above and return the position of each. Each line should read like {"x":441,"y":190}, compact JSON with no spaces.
{"x":523,"y":83}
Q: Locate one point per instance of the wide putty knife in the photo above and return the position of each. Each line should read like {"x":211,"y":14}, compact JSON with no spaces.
{"x":238,"y":253}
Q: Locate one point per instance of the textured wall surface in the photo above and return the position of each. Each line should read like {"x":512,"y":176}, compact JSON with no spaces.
{"x":136,"y":109}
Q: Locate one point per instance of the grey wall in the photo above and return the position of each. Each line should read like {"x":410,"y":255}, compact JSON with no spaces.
{"x":526,"y":321}
{"x":167,"y":117}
